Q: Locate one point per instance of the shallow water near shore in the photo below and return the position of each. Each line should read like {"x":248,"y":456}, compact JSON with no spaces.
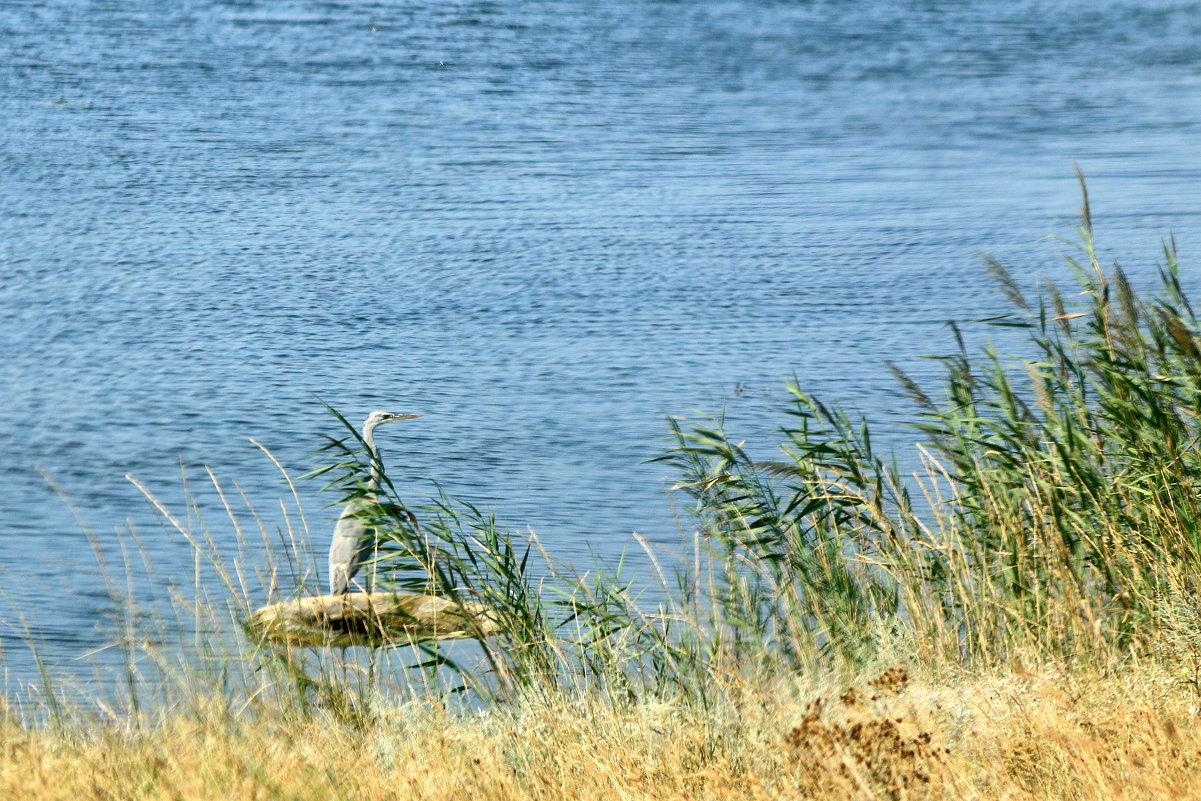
{"x":542,"y":225}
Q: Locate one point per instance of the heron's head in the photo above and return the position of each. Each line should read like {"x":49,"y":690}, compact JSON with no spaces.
{"x":379,"y":418}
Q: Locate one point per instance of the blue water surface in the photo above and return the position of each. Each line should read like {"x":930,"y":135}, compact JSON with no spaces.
{"x":543,"y":225}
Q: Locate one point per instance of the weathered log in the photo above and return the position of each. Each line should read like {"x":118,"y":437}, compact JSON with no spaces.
{"x":372,"y":619}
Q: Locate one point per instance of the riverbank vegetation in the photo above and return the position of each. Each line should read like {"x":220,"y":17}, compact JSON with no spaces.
{"x":1017,"y":618}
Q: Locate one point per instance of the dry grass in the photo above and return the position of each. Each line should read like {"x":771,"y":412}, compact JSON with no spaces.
{"x":1130,"y":735}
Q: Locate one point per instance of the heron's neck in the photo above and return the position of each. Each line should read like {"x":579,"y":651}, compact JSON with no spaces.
{"x":373,"y":452}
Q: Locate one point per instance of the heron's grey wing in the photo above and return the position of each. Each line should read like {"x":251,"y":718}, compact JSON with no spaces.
{"x":351,"y":539}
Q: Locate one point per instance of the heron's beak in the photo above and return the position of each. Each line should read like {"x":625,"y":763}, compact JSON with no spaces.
{"x":405,"y":416}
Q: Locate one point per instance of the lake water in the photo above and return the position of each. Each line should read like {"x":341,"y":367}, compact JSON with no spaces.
{"x":543,"y":225}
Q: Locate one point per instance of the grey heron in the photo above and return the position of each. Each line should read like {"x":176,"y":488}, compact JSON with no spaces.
{"x":353,"y":541}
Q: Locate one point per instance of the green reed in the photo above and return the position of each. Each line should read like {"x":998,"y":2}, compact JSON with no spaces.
{"x":1061,"y":490}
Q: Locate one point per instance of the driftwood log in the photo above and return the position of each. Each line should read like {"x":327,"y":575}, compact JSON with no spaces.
{"x":372,"y":619}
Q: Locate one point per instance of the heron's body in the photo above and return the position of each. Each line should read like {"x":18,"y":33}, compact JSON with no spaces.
{"x":352,"y":546}
{"x":354,"y":542}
